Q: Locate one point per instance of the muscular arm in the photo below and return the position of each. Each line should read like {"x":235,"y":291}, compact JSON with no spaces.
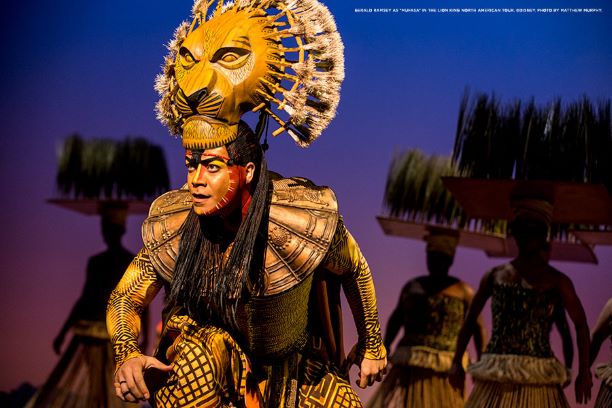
{"x":471,"y":318}
{"x":479,"y":333}
{"x":576,"y":312}
{"x":135,"y":291}
{"x":601,"y":331}
{"x":457,"y":374}
{"x":566,"y":337}
{"x":346,"y":260}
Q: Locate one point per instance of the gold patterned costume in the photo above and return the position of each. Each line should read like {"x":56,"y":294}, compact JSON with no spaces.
{"x":289,"y":337}
{"x":252,"y":263}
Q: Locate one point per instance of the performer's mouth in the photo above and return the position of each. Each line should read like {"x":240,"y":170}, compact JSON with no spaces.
{"x":200,"y":198}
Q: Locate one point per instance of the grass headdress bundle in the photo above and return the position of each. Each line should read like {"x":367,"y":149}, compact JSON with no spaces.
{"x":109,"y":169}
{"x":414,"y":192}
{"x":524,"y":141}
{"x":558,"y":152}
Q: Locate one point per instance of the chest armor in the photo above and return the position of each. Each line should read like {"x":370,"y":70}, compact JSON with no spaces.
{"x":302,"y":223}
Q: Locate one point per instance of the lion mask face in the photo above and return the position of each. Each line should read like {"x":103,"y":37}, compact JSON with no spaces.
{"x":281,"y":58}
{"x":221,"y":65}
{"x":220,"y":70}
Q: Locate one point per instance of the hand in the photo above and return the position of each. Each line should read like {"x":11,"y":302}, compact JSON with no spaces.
{"x":582,"y":387}
{"x":456,"y":376}
{"x":57,"y":344}
{"x":371,"y":371}
{"x":129,"y":382}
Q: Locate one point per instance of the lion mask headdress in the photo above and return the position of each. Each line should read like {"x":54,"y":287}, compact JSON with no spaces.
{"x":281,"y":58}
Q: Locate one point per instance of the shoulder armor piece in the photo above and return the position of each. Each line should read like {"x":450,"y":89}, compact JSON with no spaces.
{"x":160,"y":231}
{"x":302,"y":223}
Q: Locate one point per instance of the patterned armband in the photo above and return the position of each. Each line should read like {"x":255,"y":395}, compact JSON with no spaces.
{"x":345,"y":259}
{"x":136,"y":289}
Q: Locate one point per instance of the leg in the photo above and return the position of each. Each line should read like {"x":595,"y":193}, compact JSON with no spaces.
{"x":209,"y":369}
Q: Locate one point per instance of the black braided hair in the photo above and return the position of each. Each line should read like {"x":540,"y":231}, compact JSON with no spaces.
{"x":206,"y":287}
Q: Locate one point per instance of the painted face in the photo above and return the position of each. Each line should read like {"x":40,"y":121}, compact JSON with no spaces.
{"x":213,"y":181}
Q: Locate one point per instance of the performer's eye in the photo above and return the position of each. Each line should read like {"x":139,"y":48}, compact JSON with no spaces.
{"x":231,"y":57}
{"x":212,"y":168}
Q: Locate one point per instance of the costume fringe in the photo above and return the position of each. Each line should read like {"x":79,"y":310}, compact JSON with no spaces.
{"x":425,"y":357}
{"x":604,"y":373}
{"x":604,"y":396}
{"x":82,"y":378}
{"x":517,"y":369}
{"x":414,"y":387}
{"x":489,"y":394}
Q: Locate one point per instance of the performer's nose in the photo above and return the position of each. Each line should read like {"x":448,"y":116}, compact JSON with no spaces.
{"x":199,"y":178}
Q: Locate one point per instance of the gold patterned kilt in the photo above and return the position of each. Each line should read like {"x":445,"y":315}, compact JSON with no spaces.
{"x":511,"y":395}
{"x":408,"y":387}
{"x":211,"y":370}
{"x":322,"y":387}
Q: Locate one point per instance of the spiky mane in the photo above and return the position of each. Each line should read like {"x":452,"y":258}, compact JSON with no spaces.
{"x":301,"y":90}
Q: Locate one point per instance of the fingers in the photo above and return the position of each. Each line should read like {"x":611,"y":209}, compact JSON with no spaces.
{"x":371,"y":371}
{"x":587,"y":394}
{"x":118,"y":391}
{"x":129,"y":381}
{"x":457,"y":380}
{"x":140,"y":386}
{"x":362,"y":381}
{"x":155,"y":363}
{"x":582,"y":390}
{"x":367,"y":378}
{"x":123,"y":392}
{"x":365,"y":381}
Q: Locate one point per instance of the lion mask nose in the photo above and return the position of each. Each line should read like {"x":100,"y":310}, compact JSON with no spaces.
{"x":195,"y":98}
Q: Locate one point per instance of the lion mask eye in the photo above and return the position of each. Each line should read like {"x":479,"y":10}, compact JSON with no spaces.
{"x":186,"y":58}
{"x":231,"y":57}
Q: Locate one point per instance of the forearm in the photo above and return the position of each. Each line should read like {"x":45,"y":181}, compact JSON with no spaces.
{"x":136,"y":289}
{"x":480,"y":338}
{"x":345,"y":259}
{"x":473,"y":320}
{"x":583,"y":342}
{"x":361,"y":297}
{"x":463,"y":339}
{"x":568,"y":352}
{"x":601,"y":331}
